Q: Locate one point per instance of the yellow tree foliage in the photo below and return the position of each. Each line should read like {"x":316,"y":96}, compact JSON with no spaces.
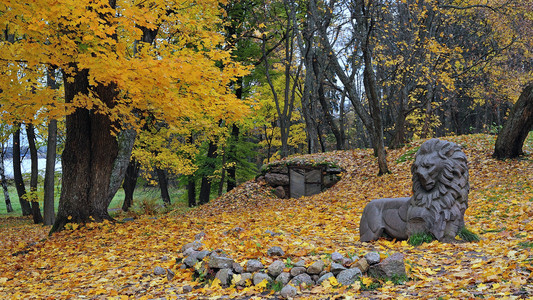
{"x":182,"y":76}
{"x":267,"y":121}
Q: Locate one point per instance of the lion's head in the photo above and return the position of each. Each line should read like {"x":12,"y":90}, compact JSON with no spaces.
{"x":440,"y":185}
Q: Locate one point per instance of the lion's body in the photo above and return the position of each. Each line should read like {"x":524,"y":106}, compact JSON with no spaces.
{"x":392,"y":223}
{"x":439,"y":201}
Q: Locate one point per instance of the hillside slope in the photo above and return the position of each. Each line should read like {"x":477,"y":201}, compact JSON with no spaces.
{"x":102,"y":260}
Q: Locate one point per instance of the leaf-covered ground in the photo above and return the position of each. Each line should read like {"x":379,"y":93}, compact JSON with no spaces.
{"x":116,"y":261}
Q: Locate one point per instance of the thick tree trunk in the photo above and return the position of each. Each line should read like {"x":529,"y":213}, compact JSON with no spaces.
{"x":88,"y":158}
{"x":36,"y":210}
{"x":17,"y":174}
{"x":205,"y":188}
{"x":163,"y":185}
{"x":129,"y":184}
{"x":515,"y":130}
{"x":9,"y":207}
{"x":49,"y":175}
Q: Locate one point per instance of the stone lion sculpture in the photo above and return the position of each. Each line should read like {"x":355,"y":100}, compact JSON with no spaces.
{"x":438,"y":204}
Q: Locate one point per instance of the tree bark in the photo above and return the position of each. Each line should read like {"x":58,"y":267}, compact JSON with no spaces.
{"x":17,"y":174}
{"x":222,"y":175}
{"x":51,"y":149}
{"x":36,"y":210}
{"x":399,"y":138}
{"x":191,"y":191}
{"x":9,"y":207}
{"x":326,"y":108}
{"x":163,"y":185}
{"x":517,"y":127}
{"x":205,"y":188}
{"x":130,"y":182}
{"x":49,"y":175}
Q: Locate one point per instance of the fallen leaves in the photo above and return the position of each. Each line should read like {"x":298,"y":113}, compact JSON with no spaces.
{"x":116,"y":260}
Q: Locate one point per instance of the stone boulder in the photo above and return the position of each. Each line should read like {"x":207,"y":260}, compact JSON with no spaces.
{"x":392,"y":266}
{"x":220,"y":262}
{"x":302,"y":278}
{"x":276,"y":179}
{"x":349,"y":276}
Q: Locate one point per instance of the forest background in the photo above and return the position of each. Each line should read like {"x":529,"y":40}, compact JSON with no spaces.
{"x":199,"y":95}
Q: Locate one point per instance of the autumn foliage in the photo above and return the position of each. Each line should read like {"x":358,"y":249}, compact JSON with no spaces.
{"x":178,"y":76}
{"x":117,"y":260}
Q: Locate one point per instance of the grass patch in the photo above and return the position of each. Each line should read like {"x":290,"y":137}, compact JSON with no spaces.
{"x":275,"y":286}
{"x":288,"y":263}
{"x":146,"y":200}
{"x":418,"y":239}
{"x":467,"y":235}
{"x":526,"y":245}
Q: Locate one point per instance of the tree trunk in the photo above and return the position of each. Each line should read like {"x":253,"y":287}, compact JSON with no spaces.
{"x":51,"y":149}
{"x":205,"y":188}
{"x":36,"y":210}
{"x":426,"y":128}
{"x":9,"y":207}
{"x":371,"y":91}
{"x":398,"y":140}
{"x":94,"y":159}
{"x":17,"y":173}
{"x":515,"y":130}
{"x":222,"y":176}
{"x":232,"y":157}
{"x":89,"y":156}
{"x":129,"y":184}
{"x":191,"y":191}
{"x":342,"y":116}
{"x":326,"y":108}
{"x":49,"y":175}
{"x":163,"y":185}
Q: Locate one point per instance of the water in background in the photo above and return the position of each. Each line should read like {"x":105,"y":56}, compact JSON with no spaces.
{"x":26,"y":166}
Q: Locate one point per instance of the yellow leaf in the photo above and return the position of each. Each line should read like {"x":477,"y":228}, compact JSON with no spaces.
{"x":262,"y":285}
{"x":236,"y":279}
{"x":367,"y":281}
{"x":333,"y":281}
{"x":3,"y":279}
{"x":216,"y":283}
